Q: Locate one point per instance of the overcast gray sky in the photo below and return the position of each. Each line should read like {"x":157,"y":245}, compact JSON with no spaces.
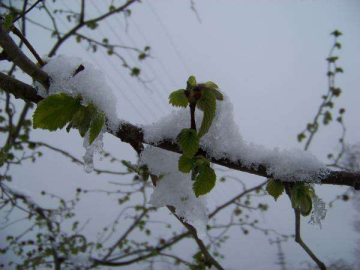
{"x":267,"y":56}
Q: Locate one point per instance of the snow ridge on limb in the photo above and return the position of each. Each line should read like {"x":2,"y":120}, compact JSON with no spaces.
{"x":129,"y":133}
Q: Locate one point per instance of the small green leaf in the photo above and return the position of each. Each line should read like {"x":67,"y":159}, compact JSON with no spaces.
{"x":8,"y":21}
{"x":211,"y":85}
{"x":188,"y":141}
{"x":55,"y":111}
{"x":336,"y":33}
{"x":96,"y":126}
{"x":205,"y":181}
{"x":208,"y":103}
{"x":191,"y":83}
{"x":338,"y":45}
{"x":178,"y":99}
{"x":339,"y":70}
{"x":217,"y":94}
{"x":82,"y":119}
{"x":185,"y":164}
{"x":332,"y":59}
{"x":336,"y":91}
{"x":301,"y":198}
{"x":142,"y":56}
{"x":275,"y":188}
{"x":327,"y":117}
{"x":200,"y":160}
{"x":135,"y":72}
{"x":305,"y":205}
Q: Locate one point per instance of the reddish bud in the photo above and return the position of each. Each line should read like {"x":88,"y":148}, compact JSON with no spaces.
{"x":197,"y":95}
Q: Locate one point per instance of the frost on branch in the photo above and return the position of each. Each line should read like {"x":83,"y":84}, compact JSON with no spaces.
{"x":225,"y":141}
{"x":175,"y":188}
{"x":79,"y":97}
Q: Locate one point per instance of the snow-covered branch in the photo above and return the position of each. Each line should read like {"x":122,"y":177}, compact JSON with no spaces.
{"x":133,"y":134}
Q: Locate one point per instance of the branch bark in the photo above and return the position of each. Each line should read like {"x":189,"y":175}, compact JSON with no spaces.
{"x":134,"y":135}
{"x":21,"y":60}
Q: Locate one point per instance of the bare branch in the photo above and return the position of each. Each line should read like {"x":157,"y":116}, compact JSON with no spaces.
{"x":301,"y":242}
{"x":27,"y":11}
{"x":21,"y":60}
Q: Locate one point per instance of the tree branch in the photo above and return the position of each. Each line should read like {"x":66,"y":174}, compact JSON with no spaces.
{"x":134,"y":135}
{"x":21,"y":60}
{"x":82,"y":23}
{"x":27,"y":11}
{"x":301,"y":242}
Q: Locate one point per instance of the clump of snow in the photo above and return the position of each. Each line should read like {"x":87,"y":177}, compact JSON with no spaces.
{"x":91,"y":149}
{"x":80,"y":261}
{"x":318,"y":213}
{"x":175,"y":188}
{"x":91,"y":84}
{"x":225,"y":141}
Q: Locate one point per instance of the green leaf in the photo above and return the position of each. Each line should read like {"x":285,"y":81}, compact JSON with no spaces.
{"x":339,"y":70}
{"x":217,"y":94}
{"x":211,"y":85}
{"x":327,"y":117}
{"x":135,"y":72}
{"x":338,"y":45}
{"x":55,"y":111}
{"x":185,"y":164}
{"x":208,"y":104}
{"x":191,"y":83}
{"x":301,"y":198}
{"x":305,"y":205}
{"x":275,"y":188}
{"x":81,"y":120}
{"x":178,"y":99}
{"x":96,"y":126}
{"x":200,"y":160}
{"x":205,"y":181}
{"x":336,"y":33}
{"x":188,"y":141}
{"x":8,"y":21}
{"x":332,"y":59}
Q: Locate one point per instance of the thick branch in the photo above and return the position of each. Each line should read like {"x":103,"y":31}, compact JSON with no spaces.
{"x":21,"y":60}
{"x":19,"y":89}
{"x":134,"y":135}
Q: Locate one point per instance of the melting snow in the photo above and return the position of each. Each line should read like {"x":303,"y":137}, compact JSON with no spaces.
{"x":91,"y":84}
{"x":175,"y":188}
{"x":225,"y":141}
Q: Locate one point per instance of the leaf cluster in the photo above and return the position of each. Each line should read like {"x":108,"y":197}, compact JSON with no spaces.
{"x":301,"y":194}
{"x":203,"y":97}
{"x":57,"y":110}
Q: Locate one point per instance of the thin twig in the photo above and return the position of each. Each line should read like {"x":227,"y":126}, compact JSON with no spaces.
{"x":301,"y":242}
{"x":27,"y":11}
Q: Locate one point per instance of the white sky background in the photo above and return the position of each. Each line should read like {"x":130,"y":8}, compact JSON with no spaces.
{"x":268,"y":56}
